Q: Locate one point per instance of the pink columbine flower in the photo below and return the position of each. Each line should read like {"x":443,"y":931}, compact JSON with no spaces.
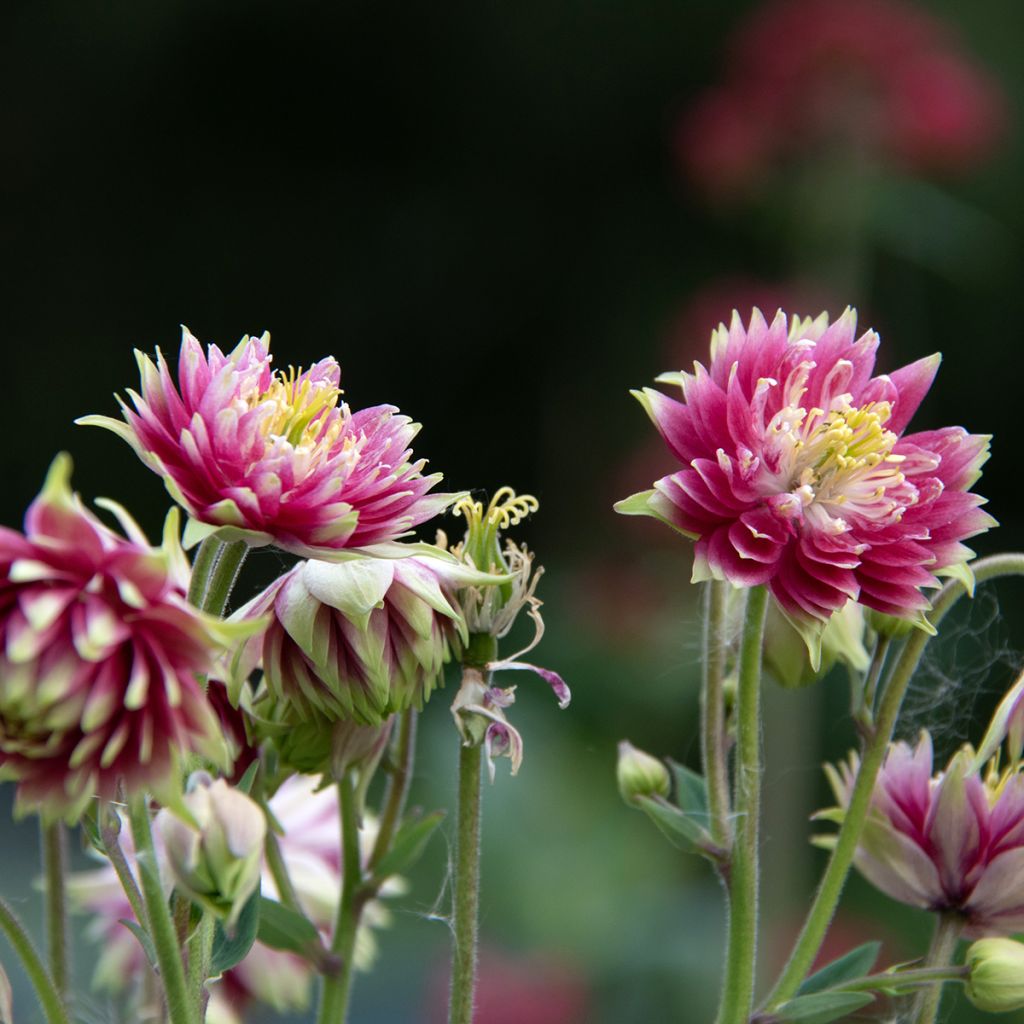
{"x":953,"y":841}
{"x":272,"y":457}
{"x":796,"y":471}
{"x":357,"y":640}
{"x":99,"y":653}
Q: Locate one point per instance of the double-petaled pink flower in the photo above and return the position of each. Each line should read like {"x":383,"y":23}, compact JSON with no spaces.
{"x":274,"y":457}
{"x":950,"y":842}
{"x":796,"y":471}
{"x":99,"y":655}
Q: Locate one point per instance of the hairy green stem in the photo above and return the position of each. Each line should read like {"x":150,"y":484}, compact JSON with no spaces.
{"x":337,"y":988}
{"x":831,"y":886}
{"x":398,"y":786}
{"x":741,"y":944}
{"x":279,"y":872}
{"x":54,"y":841}
{"x":940,"y":955}
{"x":200,"y":951}
{"x":214,"y":572}
{"x":180,"y":1008}
{"x":112,"y":847}
{"x":714,"y":747}
{"x":866,"y":690}
{"x":46,"y":991}
{"x":466,"y":896}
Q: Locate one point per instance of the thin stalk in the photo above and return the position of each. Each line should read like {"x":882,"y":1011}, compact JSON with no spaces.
{"x":398,"y":786}
{"x":940,"y":955}
{"x":54,"y":841}
{"x":214,"y":572}
{"x":741,"y":944}
{"x":865,"y":691}
{"x":337,"y":988}
{"x":467,"y":888}
{"x":200,"y":951}
{"x":161,"y":927}
{"x":112,"y":847}
{"x":279,"y":872}
{"x":831,"y":886}
{"x":46,"y":991}
{"x":714,"y":747}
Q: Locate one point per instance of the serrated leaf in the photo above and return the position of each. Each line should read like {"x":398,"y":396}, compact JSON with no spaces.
{"x":855,"y":964}
{"x":144,"y":940}
{"x":246,"y":781}
{"x":686,"y":831}
{"x":822,"y":1007}
{"x":691,"y":789}
{"x":282,"y":928}
{"x":409,"y":842}
{"x":229,"y":950}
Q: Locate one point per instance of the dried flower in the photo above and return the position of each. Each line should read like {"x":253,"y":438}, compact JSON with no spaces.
{"x":272,"y":457}
{"x":796,"y":472}
{"x":949,"y":842}
{"x":99,"y":655}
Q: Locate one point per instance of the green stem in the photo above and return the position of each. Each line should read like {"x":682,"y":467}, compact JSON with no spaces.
{"x":398,"y":786}
{"x":741,"y":944}
{"x":180,"y":1009}
{"x":200,"y":951}
{"x":714,"y":748}
{"x":865,"y":690}
{"x":466,"y":895}
{"x":112,"y":846}
{"x":948,"y":927}
{"x":214,"y":572}
{"x":337,"y":988}
{"x":46,"y":991}
{"x":55,"y":863}
{"x":831,"y":886}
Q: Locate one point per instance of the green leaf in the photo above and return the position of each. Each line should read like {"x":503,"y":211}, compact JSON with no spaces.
{"x":283,"y":928}
{"x":144,"y":940}
{"x":855,"y":964}
{"x":229,"y":950}
{"x":409,"y":842}
{"x":246,"y":781}
{"x":691,"y":789}
{"x":686,"y":831}
{"x":822,"y":1007}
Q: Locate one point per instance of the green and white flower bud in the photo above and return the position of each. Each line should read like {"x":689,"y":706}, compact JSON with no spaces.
{"x":785,"y":650}
{"x":995,"y":983}
{"x":639,"y":774}
{"x":215,"y":859}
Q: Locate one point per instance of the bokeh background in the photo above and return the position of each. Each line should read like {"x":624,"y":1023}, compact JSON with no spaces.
{"x":500,"y":217}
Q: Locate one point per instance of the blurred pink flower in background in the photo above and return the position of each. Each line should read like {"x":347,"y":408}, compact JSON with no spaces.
{"x":877,"y":77}
{"x":538,"y":988}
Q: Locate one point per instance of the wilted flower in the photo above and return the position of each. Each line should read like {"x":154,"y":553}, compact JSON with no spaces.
{"x":995,"y":982}
{"x":272,"y":457}
{"x":99,"y":652}
{"x":479,"y":707}
{"x":360,"y":639}
{"x":215,"y":858}
{"x":639,"y":774}
{"x":949,"y":842}
{"x":796,"y":473}
{"x":309,"y":847}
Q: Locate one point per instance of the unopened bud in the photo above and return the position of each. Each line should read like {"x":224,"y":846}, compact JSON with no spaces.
{"x":216,"y":858}
{"x":639,"y":774}
{"x":995,"y":983}
{"x":888,"y":625}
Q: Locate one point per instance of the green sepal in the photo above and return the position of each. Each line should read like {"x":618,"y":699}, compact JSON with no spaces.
{"x":685,"y":830}
{"x":821,"y":1008}
{"x":229,"y":950}
{"x":691,"y":789}
{"x":855,"y":964}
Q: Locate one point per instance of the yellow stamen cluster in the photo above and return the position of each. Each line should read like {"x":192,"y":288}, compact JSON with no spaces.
{"x":506,"y":509}
{"x":298,"y":408}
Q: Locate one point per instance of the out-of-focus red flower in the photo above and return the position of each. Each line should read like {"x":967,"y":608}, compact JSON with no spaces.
{"x":539,"y":989}
{"x":808,"y":76}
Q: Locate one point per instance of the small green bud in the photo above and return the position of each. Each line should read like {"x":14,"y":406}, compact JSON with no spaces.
{"x":888,"y":625}
{"x":785,"y":650}
{"x":995,"y":983}
{"x":639,"y":774}
{"x":216,"y":858}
